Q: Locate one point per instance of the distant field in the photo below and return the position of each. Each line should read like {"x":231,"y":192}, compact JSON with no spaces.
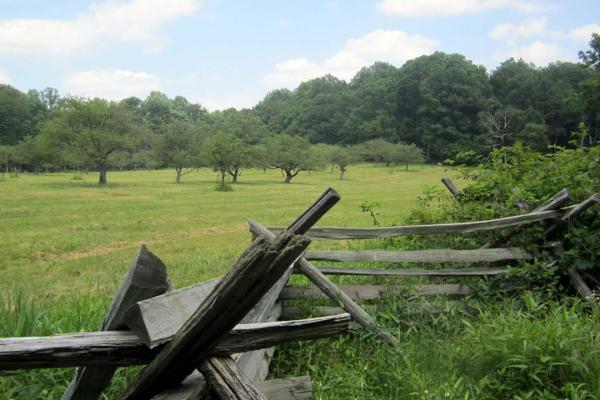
{"x":64,"y":236}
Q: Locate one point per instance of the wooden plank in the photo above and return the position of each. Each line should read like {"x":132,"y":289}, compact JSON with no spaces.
{"x":573,"y":213}
{"x":432,"y":229}
{"x":258,"y":268}
{"x":255,"y":364}
{"x":412,"y":272}
{"x":194,"y":387}
{"x":121,"y":348}
{"x":146,"y":277}
{"x":374,"y":292}
{"x":558,"y":200}
{"x":295,"y":388}
{"x":422,"y":256}
{"x":156,"y":320}
{"x":450,"y":186}
{"x":227,"y":380}
{"x":330,"y":290}
{"x":583,"y":290}
{"x":292,"y":312}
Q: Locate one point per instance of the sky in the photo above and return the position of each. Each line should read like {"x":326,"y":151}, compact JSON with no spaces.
{"x":222,"y":54}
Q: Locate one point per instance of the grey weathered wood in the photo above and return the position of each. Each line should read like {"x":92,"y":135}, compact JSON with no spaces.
{"x":250,"y":278}
{"x":573,"y":213}
{"x":157,"y":319}
{"x":146,"y":277}
{"x":308,"y":218}
{"x":373,"y":292}
{"x":194,"y":387}
{"x":559,"y":199}
{"x":121,"y":348}
{"x":330,"y":290}
{"x":291,"y":312}
{"x":412,"y":272}
{"x":581,"y":287}
{"x":295,"y":388}
{"x":227,"y":380}
{"x":422,"y":256}
{"x":432,"y":229}
{"x":255,"y":364}
{"x":450,"y":186}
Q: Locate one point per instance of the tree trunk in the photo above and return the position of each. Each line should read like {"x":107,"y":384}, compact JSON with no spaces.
{"x":234,"y":176}
{"x":102,"y":178}
{"x":288,"y":176}
{"x":342,"y":171}
{"x":222,"y":178}
{"x":406,"y":169}
{"x":178,"y":177}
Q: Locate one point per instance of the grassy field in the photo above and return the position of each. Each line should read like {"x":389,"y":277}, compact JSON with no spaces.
{"x":60,"y":236}
{"x":65,"y":244}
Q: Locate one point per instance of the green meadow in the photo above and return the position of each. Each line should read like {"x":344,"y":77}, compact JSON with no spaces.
{"x":62,"y":234}
{"x":65,"y":244}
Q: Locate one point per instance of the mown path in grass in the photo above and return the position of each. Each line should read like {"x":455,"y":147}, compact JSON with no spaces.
{"x":62,"y":234}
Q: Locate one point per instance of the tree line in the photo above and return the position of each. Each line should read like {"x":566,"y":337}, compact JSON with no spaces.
{"x":435,"y":107}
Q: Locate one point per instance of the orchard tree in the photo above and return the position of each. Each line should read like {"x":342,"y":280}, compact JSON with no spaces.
{"x":343,"y":157}
{"x":377,"y":150}
{"x":94,"y":130}
{"x":292,"y":154}
{"x":178,"y":146}
{"x":407,"y":154}
{"x":226,"y":154}
{"x":8,"y":157}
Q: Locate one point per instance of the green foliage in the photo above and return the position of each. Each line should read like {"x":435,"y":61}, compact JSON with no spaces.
{"x":292,"y":154}
{"x":179,"y":146}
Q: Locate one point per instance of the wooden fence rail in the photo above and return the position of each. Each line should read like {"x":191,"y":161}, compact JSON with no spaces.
{"x":432,"y":229}
{"x":422,"y":256}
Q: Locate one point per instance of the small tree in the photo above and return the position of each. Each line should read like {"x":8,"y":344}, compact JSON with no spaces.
{"x":378,"y":150}
{"x":178,"y":146}
{"x":342,"y":157}
{"x":38,"y":153}
{"x":226,"y":154}
{"x":407,"y":154}
{"x":292,"y":154}
{"x":93,"y":131}
{"x":8,"y":157}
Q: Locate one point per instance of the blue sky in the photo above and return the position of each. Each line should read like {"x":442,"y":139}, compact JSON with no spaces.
{"x":223,"y":53}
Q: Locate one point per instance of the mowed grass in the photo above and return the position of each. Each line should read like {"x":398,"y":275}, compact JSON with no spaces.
{"x":63,"y":236}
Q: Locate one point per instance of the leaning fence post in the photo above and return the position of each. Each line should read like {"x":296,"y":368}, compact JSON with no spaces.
{"x":451,"y":188}
{"x":146,"y":277}
{"x":334,"y":293}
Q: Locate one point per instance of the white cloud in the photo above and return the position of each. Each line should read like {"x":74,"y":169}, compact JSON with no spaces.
{"x":584,"y":33}
{"x":512,"y":32}
{"x":112,"y":84}
{"x":136,"y":21}
{"x":4,"y":78}
{"x":380,"y":45}
{"x":451,"y":7}
{"x":537,"y":52}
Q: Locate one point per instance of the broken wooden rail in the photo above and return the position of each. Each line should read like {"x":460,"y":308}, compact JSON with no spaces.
{"x":331,"y":233}
{"x":122,"y":348}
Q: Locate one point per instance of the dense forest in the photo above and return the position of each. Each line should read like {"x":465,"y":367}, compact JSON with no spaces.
{"x":434,"y":108}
